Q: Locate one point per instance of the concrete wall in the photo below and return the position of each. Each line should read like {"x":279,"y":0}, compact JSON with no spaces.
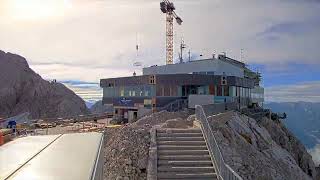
{"x":217,"y":66}
{"x":213,"y":109}
{"x":200,"y":100}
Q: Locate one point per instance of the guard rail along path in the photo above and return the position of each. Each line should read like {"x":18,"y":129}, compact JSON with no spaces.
{"x":223,"y":170}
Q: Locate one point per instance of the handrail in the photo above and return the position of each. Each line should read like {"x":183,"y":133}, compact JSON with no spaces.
{"x":169,"y":107}
{"x":223,"y":170}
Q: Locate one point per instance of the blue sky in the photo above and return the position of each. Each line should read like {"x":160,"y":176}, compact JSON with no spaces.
{"x":81,"y":41}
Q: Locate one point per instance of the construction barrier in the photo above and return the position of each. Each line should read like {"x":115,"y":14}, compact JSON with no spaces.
{"x":1,"y":139}
{"x":5,"y":135}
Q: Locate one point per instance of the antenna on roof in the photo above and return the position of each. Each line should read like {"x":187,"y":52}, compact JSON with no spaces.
{"x":136,"y":62}
{"x":189,"y":55}
{"x":241,"y":55}
{"x":182,"y":47}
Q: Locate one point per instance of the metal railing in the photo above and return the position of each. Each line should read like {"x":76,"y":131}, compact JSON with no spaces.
{"x":223,"y":170}
{"x":175,"y":105}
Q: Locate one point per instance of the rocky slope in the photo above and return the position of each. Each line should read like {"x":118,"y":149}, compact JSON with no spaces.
{"x":22,"y":90}
{"x":98,"y":108}
{"x":127,"y":147}
{"x":257,"y":149}
{"x":261,"y":148}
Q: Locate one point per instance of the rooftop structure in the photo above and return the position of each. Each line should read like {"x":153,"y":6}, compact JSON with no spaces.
{"x":215,"y":66}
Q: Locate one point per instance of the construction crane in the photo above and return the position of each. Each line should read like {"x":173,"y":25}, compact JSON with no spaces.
{"x":168,"y":8}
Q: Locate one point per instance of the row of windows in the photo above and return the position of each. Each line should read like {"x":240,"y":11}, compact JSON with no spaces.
{"x":204,"y":73}
{"x":172,"y":90}
{"x":129,"y":91}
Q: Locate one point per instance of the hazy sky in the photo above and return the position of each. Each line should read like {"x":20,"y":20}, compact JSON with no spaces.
{"x":86,"y":40}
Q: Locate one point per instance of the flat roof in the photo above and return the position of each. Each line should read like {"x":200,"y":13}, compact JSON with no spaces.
{"x":63,"y":157}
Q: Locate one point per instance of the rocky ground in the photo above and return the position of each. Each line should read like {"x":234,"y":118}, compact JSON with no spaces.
{"x":261,"y":149}
{"x":22,"y":90}
{"x":127,"y":147}
{"x":258,"y":149}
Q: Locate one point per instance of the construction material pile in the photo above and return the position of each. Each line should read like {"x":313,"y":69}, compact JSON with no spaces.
{"x":127,"y":147}
{"x":127,"y":153}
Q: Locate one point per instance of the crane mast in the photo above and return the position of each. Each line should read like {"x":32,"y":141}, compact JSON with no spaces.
{"x":168,"y":8}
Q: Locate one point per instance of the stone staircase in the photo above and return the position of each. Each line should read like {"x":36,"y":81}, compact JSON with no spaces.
{"x":183,"y":154}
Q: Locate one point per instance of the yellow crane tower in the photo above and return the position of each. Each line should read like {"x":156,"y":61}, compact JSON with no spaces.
{"x":168,"y":8}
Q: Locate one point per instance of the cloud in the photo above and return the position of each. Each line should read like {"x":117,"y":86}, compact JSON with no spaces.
{"x":307,"y":91}
{"x":99,"y":37}
{"x":315,"y":153}
{"x":87,"y":91}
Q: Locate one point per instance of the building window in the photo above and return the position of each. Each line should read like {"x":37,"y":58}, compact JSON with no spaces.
{"x":152,"y":79}
{"x":122,"y":92}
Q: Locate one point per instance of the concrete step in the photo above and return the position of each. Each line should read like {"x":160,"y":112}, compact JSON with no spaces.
{"x":182,"y":143}
{"x":180,"y":139}
{"x":198,"y":176}
{"x":183,"y":152}
{"x":186,"y":170}
{"x":185,"y":157}
{"x":185,"y":163}
{"x":173,"y":147}
{"x":179,"y":131}
{"x":179,"y":135}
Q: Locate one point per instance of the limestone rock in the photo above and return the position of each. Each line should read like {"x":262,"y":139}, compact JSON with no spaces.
{"x":22,"y":90}
{"x":255,"y":151}
{"x":177,"y":123}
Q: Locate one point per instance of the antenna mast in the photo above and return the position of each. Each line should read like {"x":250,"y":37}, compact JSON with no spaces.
{"x":182,"y":47}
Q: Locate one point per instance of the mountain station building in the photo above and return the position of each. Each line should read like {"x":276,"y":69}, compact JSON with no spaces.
{"x":207,"y":81}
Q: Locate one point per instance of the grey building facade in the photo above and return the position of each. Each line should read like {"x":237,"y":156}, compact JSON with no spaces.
{"x":222,"y":80}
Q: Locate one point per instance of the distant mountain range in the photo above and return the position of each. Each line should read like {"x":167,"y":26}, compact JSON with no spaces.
{"x":303,"y":120}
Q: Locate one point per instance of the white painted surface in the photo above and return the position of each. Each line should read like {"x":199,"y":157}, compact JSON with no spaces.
{"x":69,"y":157}
{"x":217,"y":66}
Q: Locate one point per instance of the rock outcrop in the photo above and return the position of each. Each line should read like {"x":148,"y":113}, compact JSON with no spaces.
{"x":127,"y":147}
{"x":22,"y":90}
{"x":98,"y":108}
{"x":261,"y":148}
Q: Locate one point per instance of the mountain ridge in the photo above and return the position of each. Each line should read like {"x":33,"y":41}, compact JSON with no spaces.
{"x":23,"y":90}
